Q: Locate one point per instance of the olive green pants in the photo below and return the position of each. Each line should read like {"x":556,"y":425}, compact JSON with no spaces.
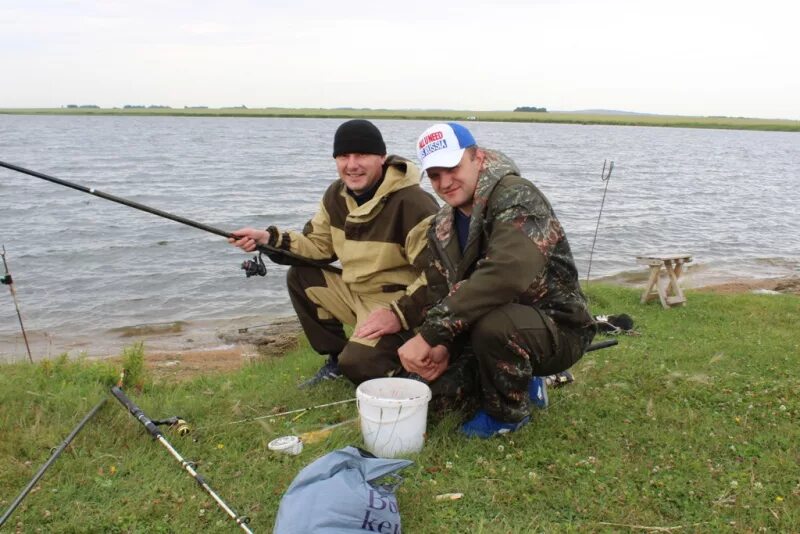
{"x":324,"y":303}
{"x":500,"y":354}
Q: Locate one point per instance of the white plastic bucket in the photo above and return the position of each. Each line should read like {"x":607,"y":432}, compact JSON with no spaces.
{"x":394,"y":412}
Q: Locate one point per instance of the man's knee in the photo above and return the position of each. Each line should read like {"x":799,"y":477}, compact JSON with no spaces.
{"x":298,"y":279}
{"x":501,"y":324}
{"x":361,"y":362}
{"x":517,"y":330}
{"x":354,"y":362}
{"x":488,"y":330}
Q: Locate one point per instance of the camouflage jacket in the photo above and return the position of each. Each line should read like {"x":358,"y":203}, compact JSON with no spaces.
{"x":516,"y":252}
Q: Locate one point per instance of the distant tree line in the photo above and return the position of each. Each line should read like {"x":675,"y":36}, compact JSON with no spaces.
{"x":126,"y":106}
{"x":531,"y":108}
{"x":136,"y":106}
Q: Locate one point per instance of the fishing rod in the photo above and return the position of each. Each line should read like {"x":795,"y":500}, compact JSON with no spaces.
{"x":179,"y":424}
{"x":251,"y":267}
{"x":290,"y":412}
{"x":605,"y":178}
{"x":601,"y":345}
{"x":139,"y":415}
{"x":8,"y":281}
{"x":50,"y":461}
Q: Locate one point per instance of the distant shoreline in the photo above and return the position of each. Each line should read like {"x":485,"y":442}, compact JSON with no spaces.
{"x":673,"y":121}
{"x":228,"y":341}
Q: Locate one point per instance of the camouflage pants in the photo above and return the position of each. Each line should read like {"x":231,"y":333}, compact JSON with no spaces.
{"x":324,"y":303}
{"x":500,"y":354}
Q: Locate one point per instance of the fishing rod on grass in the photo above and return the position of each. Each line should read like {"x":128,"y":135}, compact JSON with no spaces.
{"x":151,"y":427}
{"x":290,"y":412}
{"x":251,"y":267}
{"x":8,"y":281}
{"x":601,"y":345}
{"x":176,"y":422}
{"x":50,"y":461}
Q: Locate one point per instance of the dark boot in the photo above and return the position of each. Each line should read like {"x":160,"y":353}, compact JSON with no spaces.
{"x":329,"y":371}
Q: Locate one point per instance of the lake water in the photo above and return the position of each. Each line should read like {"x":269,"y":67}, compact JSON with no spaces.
{"x":86,"y":270}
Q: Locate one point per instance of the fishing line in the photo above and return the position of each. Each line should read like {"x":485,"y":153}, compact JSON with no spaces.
{"x":605,"y":178}
{"x":247,"y":265}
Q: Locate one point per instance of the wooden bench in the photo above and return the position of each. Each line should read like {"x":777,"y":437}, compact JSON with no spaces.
{"x":664,"y":280}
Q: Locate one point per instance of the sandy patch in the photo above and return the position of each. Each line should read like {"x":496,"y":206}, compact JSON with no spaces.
{"x":242,"y":345}
{"x":182,"y":365}
{"x":790,"y":286}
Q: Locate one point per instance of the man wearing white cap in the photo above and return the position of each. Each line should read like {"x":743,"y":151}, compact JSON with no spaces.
{"x":506,"y":305}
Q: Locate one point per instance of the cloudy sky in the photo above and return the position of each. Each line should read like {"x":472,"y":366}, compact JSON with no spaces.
{"x":681,"y":57}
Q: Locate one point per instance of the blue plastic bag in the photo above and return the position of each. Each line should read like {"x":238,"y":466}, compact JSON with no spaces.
{"x":344,"y":492}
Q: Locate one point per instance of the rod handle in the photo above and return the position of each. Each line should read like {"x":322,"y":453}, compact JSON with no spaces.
{"x":602,"y":345}
{"x":136,"y":412}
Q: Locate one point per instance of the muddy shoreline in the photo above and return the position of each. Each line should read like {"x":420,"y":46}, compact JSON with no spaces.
{"x":175,"y":351}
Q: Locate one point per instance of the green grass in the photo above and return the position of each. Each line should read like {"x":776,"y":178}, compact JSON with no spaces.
{"x":693,"y":423}
{"x":734,"y":123}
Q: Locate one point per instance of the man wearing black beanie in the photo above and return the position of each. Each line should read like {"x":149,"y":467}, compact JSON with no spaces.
{"x":358,"y":136}
{"x":373,"y":219}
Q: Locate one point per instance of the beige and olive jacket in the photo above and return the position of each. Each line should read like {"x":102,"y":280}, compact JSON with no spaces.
{"x":376,"y":242}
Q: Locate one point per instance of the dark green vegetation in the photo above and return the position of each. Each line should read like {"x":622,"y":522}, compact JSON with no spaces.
{"x":531,"y":108}
{"x":693,"y":424}
{"x":732,"y":123}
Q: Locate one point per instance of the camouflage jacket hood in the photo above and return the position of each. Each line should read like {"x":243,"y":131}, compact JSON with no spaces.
{"x":516,"y":251}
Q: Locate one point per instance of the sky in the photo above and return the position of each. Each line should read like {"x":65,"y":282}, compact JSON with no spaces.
{"x":698,"y":58}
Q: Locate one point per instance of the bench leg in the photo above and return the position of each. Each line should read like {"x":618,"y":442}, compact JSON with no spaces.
{"x":663,"y":285}
{"x":649,"y":291}
{"x":674,"y":295}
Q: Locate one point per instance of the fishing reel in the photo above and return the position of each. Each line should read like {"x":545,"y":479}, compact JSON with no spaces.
{"x":6,"y":280}
{"x":254,"y":267}
{"x":176,"y":423}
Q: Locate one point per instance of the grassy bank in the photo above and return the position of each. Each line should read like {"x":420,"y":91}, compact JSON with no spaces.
{"x":693,"y":424}
{"x":731,"y":123}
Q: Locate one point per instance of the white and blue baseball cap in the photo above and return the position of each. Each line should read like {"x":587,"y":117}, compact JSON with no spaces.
{"x":443,"y":145}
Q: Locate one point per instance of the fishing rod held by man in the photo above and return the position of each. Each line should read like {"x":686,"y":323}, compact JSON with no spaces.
{"x":272,"y":252}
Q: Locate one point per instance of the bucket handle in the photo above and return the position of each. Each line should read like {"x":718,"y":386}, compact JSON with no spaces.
{"x":396,"y":420}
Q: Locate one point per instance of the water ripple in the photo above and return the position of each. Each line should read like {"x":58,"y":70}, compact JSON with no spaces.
{"x":85,"y":265}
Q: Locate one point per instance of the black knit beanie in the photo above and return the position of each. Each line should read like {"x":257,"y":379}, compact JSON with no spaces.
{"x":358,"y":137}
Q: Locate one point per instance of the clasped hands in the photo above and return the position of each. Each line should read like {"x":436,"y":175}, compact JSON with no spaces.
{"x":416,"y":355}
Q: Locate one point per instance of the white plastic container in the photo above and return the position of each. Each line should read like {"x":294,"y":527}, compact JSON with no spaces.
{"x":394,"y":413}
{"x":286,"y":445}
